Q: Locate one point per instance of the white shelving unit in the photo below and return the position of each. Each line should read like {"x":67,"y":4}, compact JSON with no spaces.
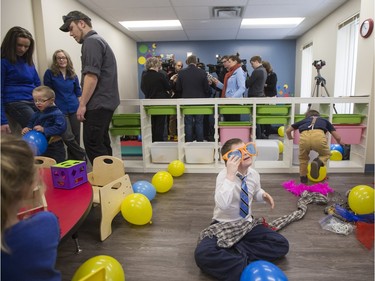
{"x":325,"y":105}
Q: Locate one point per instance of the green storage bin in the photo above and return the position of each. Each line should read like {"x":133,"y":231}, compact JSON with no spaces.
{"x":161,"y":109}
{"x":235,"y":123}
{"x":264,"y":109}
{"x":299,"y":117}
{"x":124,"y":120}
{"x":347,"y":118}
{"x":125,"y":131}
{"x":272,"y":119}
{"x":235,"y":109}
{"x":197,"y":109}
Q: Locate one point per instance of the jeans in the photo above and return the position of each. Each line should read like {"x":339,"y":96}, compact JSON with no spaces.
{"x":20,"y":111}
{"x":96,"y":133}
{"x":194,"y":124}
{"x":75,"y":152}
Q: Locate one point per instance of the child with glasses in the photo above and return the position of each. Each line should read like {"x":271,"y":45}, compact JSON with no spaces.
{"x":50,"y":121}
{"x":235,"y":238}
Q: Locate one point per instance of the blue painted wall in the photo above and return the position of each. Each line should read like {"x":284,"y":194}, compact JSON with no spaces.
{"x":280,"y":53}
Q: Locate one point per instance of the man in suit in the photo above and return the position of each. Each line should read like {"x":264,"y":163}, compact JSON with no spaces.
{"x":192,"y":82}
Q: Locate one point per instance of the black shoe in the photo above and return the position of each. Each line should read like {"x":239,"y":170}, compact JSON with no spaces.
{"x":315,"y":168}
{"x":304,"y":179}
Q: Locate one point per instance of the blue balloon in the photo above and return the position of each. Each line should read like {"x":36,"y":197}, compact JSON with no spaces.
{"x":37,"y":142}
{"x":263,"y":271}
{"x":145,"y":188}
{"x":337,"y":147}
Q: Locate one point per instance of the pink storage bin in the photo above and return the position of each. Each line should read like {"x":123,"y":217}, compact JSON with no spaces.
{"x":227,"y":133}
{"x":350,"y":134}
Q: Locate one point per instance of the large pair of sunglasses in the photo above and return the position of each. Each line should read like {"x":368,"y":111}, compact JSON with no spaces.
{"x":249,"y":149}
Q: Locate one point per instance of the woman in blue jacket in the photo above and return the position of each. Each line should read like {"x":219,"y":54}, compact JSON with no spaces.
{"x":18,"y":78}
{"x":63,"y":80}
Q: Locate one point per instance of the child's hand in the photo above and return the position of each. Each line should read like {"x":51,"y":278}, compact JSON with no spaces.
{"x":232,"y":167}
{"x":25,"y":130}
{"x":268,"y":198}
{"x":39,"y":128}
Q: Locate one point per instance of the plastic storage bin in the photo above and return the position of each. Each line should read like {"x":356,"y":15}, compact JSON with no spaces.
{"x":164,"y":152}
{"x":125,"y":120}
{"x":199,"y":152}
{"x":272,"y":119}
{"x":347,"y":118}
{"x":197,"y":109}
{"x":161,"y":109}
{"x":69,"y":174}
{"x":230,"y":132}
{"x":349,"y":134}
{"x":272,"y":109}
{"x":268,"y":150}
{"x":234,"y":109}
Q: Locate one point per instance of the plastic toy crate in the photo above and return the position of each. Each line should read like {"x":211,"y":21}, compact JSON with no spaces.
{"x":69,"y":174}
{"x":199,"y":152}
{"x":164,"y":152}
{"x":197,"y":109}
{"x":126,"y":120}
{"x":349,"y":134}
{"x":161,"y":109}
{"x":347,"y":118}
{"x":235,"y":109}
{"x":230,"y":132}
{"x":125,"y":131}
{"x":272,"y":119}
{"x":268,"y":150}
{"x":272,"y":110}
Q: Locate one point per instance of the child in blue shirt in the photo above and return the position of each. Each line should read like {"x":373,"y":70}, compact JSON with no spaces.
{"x":50,"y":121}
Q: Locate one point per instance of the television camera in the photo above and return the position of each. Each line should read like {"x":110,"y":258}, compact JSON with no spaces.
{"x":319,"y":64}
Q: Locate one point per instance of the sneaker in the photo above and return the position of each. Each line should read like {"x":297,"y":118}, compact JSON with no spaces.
{"x":315,"y":168}
{"x":304,"y":179}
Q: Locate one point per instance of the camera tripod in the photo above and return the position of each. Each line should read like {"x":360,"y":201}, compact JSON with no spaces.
{"x":320,"y":83}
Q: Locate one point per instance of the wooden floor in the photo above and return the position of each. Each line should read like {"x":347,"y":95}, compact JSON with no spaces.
{"x":164,"y":250}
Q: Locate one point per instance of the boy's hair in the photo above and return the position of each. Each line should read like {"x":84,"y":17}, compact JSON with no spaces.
{"x":228,"y":145}
{"x":312,"y":112}
{"x":18,"y":175}
{"x":46,"y":91}
{"x":256,"y":58}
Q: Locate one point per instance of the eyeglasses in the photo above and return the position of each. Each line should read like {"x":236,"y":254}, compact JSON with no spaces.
{"x":61,"y":58}
{"x":41,"y":101}
{"x":249,"y":149}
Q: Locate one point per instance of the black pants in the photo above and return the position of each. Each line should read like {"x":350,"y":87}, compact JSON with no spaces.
{"x":56,"y":150}
{"x":158,"y":123}
{"x":96,"y":133}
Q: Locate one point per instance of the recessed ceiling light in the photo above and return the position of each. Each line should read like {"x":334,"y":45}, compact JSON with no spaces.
{"x":152,"y":25}
{"x":271,"y":22}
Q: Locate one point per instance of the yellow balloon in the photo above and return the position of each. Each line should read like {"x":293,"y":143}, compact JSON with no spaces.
{"x":322,"y":174}
{"x":280,"y":131}
{"x":162,"y":181}
{"x":176,"y":168}
{"x":335,"y":155}
{"x":361,"y":199}
{"x":113,"y":269}
{"x":281,"y":146}
{"x":136,"y":209}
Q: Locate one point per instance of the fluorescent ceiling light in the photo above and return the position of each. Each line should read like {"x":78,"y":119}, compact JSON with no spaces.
{"x":152,"y":25}
{"x":271,"y":22}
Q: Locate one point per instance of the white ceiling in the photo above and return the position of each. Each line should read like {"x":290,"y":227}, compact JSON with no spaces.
{"x":197,"y":19}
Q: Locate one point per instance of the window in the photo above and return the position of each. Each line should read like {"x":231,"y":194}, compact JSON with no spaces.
{"x":346,"y":61}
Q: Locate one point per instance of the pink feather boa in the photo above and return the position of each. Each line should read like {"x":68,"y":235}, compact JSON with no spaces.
{"x":297,"y":189}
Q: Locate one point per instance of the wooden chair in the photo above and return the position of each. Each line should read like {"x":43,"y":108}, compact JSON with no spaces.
{"x":44,"y":162}
{"x":110,"y":186}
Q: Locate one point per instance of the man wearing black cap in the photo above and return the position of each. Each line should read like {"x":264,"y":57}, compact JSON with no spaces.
{"x":100,"y":95}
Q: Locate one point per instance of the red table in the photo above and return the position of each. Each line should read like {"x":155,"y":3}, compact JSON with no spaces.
{"x":71,"y":206}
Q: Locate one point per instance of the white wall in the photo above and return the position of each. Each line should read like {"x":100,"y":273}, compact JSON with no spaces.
{"x":43,"y":19}
{"x":324,"y":36}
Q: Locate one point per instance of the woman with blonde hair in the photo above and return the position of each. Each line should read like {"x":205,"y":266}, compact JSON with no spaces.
{"x":28,"y":246}
{"x":62,"y":78}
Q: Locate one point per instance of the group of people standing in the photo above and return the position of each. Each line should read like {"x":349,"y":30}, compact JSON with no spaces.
{"x":193,"y":82}
{"x":58,"y":108}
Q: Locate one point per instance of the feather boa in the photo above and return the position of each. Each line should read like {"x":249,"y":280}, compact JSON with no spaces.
{"x":297,"y":189}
